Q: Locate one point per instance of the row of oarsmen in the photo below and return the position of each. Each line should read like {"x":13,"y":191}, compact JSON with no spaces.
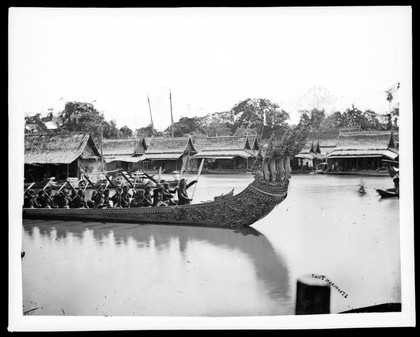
{"x":162,"y":195}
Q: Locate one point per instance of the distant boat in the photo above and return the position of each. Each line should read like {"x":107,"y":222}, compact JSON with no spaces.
{"x":389,"y":193}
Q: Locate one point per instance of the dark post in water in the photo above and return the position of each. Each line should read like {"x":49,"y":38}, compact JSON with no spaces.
{"x":312,"y":296}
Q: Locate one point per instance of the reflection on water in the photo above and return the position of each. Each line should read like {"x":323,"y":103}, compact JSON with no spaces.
{"x":323,"y":227}
{"x":126,"y":269}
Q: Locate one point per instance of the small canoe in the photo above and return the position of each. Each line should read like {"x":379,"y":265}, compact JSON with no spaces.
{"x":387,"y":193}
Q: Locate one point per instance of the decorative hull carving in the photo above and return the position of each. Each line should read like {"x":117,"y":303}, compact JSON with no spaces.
{"x":240,"y":210}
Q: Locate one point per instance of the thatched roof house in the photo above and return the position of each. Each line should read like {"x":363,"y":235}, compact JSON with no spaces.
{"x":59,"y":149}
{"x":368,"y":144}
{"x":227,"y":152}
{"x":60,"y":155}
{"x":170,"y":153}
{"x":226,"y":147}
{"x":199,"y":143}
{"x":129,"y":150}
{"x":163,"y":148}
{"x":254,"y":143}
{"x":320,"y":141}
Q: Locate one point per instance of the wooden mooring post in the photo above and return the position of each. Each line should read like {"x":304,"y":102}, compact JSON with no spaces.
{"x":312,"y":296}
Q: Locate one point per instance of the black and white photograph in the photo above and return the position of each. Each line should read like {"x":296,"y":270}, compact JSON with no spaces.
{"x":210,"y":168}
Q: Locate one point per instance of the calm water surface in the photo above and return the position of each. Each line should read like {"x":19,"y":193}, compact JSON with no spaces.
{"x":323,"y":227}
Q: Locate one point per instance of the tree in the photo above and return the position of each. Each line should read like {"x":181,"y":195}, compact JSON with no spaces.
{"x":184,"y":126}
{"x":35,"y":124}
{"x":80,"y":116}
{"x":260,"y":114}
{"x":147,"y":132}
{"x":110,"y":130}
{"x":315,"y":117}
{"x":370,"y":121}
{"x":126,"y":132}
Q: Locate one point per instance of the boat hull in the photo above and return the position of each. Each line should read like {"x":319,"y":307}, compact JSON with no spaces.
{"x":241,"y":210}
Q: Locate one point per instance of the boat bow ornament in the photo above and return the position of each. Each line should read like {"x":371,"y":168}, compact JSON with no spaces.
{"x":271,"y":180}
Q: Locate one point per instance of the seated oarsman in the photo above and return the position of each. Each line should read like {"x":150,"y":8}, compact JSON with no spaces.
{"x":126,"y":196}
{"x":39,"y":199}
{"x":168,"y":198}
{"x":158,"y":197}
{"x":73,"y":195}
{"x":29,"y":200}
{"x":98,"y":199}
{"x":91,"y":202}
{"x":79,"y":200}
{"x":107,"y":199}
{"x":116,"y":198}
{"x":148,"y":202}
{"x":45,"y":200}
{"x":183,"y":198}
{"x":62,"y":199}
{"x":138,"y":198}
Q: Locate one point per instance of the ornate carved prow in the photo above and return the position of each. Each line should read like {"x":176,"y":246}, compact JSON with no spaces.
{"x":275,"y":161}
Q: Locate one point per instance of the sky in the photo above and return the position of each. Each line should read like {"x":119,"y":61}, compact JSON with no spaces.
{"x":210,"y":59}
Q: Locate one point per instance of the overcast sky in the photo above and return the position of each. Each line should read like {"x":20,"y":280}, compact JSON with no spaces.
{"x":210,"y":58}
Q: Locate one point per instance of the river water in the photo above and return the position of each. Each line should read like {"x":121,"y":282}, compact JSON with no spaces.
{"x":324,"y":227}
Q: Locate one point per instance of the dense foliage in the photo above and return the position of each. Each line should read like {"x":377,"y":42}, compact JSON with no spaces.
{"x":250,"y":116}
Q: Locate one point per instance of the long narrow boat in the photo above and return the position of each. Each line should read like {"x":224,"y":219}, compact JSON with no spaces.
{"x":241,"y":210}
{"x":269,"y":188}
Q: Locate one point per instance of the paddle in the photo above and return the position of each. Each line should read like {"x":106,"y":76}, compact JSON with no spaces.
{"x":151,"y":178}
{"x":29,"y":187}
{"x":90,"y":183}
{"x":43,"y":190}
{"x":110,"y":182}
{"x":160,"y":173}
{"x":128,"y":180}
{"x":198,"y":175}
{"x":61,"y":187}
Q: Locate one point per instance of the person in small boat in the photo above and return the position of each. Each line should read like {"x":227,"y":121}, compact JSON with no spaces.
{"x":126,"y":196}
{"x":79,"y":200}
{"x":29,"y":200}
{"x":168,"y":198}
{"x":183,"y":198}
{"x":362,"y":189}
{"x":396,"y":188}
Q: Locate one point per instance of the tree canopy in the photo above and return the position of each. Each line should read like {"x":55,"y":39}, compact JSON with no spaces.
{"x":250,"y":116}
{"x":80,"y":116}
